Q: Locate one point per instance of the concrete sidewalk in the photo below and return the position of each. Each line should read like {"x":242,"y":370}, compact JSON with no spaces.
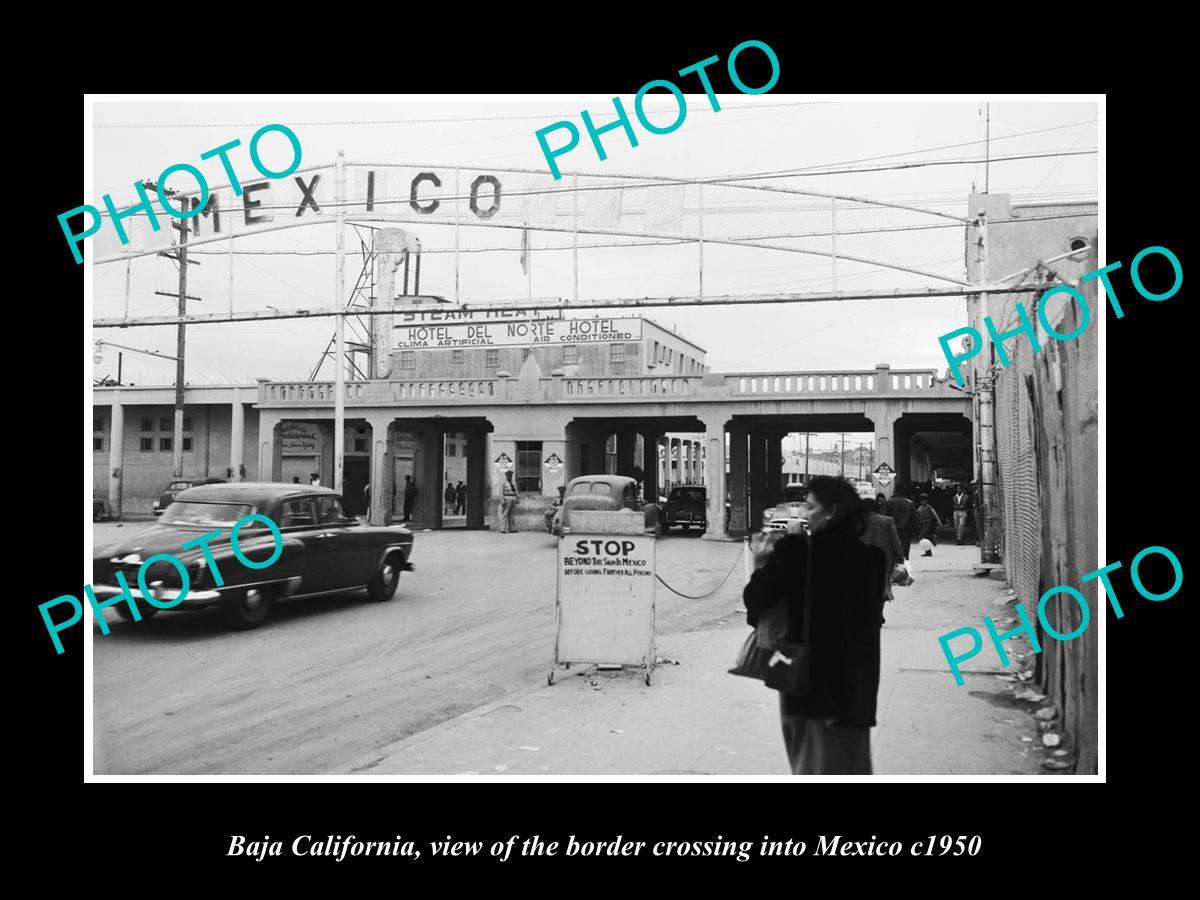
{"x":695,"y":719}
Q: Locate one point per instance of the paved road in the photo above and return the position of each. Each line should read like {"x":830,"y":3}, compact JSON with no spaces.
{"x":328,"y":680}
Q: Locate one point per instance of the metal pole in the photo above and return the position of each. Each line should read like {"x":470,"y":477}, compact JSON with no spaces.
{"x":833,"y":229}
{"x":339,"y":290}
{"x":700,"y":208}
{"x":985,"y":390}
{"x":807,"y":436}
{"x":231,"y":272}
{"x":575,"y":229}
{"x":128,"y":274}
{"x":842,"y":446}
{"x":177,"y":437}
{"x":120,"y":359}
{"x":457,"y":216}
{"x":987,"y":147}
{"x":529,"y":268}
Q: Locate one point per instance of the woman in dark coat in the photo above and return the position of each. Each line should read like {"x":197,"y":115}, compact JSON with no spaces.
{"x":828,"y":730}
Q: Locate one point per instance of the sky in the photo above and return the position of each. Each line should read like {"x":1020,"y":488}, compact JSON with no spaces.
{"x":767,"y":133}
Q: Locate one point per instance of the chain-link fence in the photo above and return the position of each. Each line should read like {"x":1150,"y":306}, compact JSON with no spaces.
{"x":1047,"y":462}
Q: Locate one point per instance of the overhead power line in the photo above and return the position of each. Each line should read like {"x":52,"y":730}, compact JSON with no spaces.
{"x":548,"y":115}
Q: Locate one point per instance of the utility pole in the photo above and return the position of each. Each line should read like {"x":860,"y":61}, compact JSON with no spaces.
{"x":842,"y":446}
{"x":177,"y":440}
{"x":180,"y":336}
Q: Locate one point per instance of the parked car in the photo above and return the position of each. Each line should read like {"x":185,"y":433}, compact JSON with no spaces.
{"x":324,"y":551}
{"x":603,"y":492}
{"x":173,"y":489}
{"x":775,"y":518}
{"x":686,"y":507}
{"x":865,"y":489}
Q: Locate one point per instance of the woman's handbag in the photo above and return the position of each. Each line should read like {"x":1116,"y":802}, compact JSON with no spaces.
{"x":768,"y":656}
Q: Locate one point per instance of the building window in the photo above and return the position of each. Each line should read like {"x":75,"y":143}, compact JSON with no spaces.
{"x":147,"y":445}
{"x":147,"y":425}
{"x":452,"y":449}
{"x":616,"y":354}
{"x":97,"y":444}
{"x":456,"y":356}
{"x":165,"y":424}
{"x":360,"y":445}
{"x":408,"y":359}
{"x":187,"y":445}
{"x":529,"y":467}
{"x":164,"y":444}
{"x":492,"y":358}
{"x":97,"y":424}
{"x":187,"y":425}
{"x":570,"y":354}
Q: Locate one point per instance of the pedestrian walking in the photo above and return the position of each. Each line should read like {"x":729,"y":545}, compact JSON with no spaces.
{"x":450,"y":498}
{"x":900,"y":508}
{"x":314,"y":480}
{"x":460,"y":498}
{"x":508,"y":504}
{"x":962,"y":503}
{"x":410,"y":497}
{"x":826,"y":731}
{"x":928,"y":523}
{"x":880,"y":531}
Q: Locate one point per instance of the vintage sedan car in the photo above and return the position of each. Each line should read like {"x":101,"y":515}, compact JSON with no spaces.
{"x":173,"y":489}
{"x":603,"y":492}
{"x":687,"y":507}
{"x":324,"y":551}
{"x":775,"y":518}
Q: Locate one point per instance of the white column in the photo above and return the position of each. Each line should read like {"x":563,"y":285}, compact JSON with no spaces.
{"x":116,"y":447}
{"x":714,"y":477}
{"x":237,"y":438}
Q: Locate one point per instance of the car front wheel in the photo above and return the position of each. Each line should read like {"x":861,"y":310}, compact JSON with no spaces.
{"x":247,"y":608}
{"x":386,"y":579}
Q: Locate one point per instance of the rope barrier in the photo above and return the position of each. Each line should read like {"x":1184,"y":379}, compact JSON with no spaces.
{"x":714,"y":590}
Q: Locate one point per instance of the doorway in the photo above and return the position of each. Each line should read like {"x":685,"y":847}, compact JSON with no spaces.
{"x":356,"y":471}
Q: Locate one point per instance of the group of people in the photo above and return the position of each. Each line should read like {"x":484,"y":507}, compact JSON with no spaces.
{"x":455,"y":497}
{"x":854,"y":547}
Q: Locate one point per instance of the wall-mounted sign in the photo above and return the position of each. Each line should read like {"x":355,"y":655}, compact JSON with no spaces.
{"x":553,"y":463}
{"x":298,"y":437}
{"x":517,"y":334}
{"x":418,"y":315}
{"x":503,"y":463}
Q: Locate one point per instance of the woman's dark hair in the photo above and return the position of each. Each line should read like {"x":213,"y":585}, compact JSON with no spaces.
{"x":838,"y":495}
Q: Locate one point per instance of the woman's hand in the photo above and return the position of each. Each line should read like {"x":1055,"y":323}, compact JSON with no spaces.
{"x":761,"y":546}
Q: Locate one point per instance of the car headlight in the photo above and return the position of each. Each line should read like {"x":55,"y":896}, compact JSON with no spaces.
{"x":768,"y":514}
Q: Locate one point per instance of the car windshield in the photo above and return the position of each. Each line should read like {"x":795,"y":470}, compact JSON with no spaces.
{"x":685,"y":494}
{"x":794,"y":494}
{"x":179,"y":485}
{"x":190,"y":512}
